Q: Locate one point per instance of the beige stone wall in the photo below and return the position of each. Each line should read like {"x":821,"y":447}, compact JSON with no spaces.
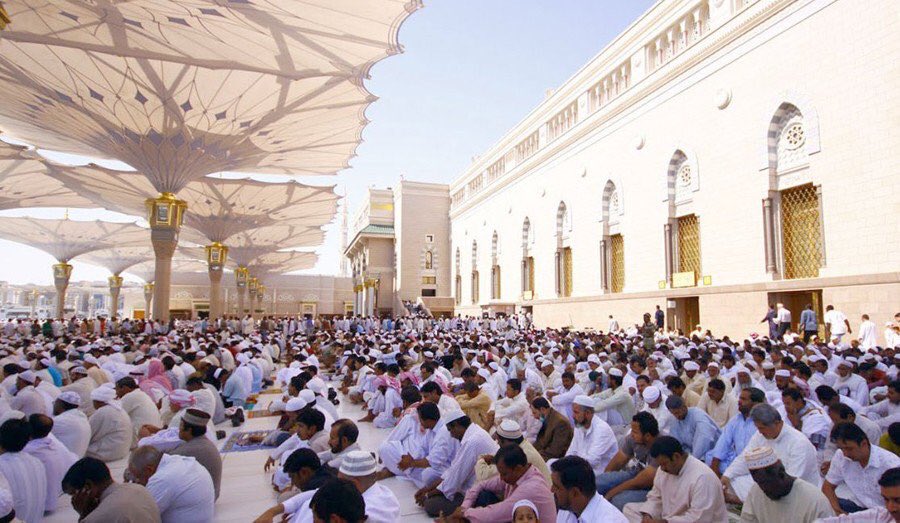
{"x":833,"y":60}
{"x":421,"y":209}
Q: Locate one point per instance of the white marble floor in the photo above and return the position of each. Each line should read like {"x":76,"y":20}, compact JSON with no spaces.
{"x":246,"y":491}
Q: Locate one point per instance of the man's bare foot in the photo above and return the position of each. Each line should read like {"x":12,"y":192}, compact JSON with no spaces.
{"x":367,"y":418}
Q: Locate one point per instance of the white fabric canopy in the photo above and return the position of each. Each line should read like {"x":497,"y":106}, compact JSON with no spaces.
{"x":24,"y":182}
{"x":65,"y":239}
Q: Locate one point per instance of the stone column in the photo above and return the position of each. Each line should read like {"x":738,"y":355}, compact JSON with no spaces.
{"x":216,"y":253}
{"x":148,"y":299}
{"x":370,"y":298}
{"x":61,"y":273}
{"x":252,"y":287}
{"x":261,"y":299}
{"x":241,"y":275}
{"x":165,"y":215}
{"x":115,"y":286}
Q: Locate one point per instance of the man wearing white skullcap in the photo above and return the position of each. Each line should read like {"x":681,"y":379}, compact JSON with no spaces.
{"x":111,"y":430}
{"x":593,"y":440}
{"x":382,"y":505}
{"x":510,"y":433}
{"x":615,"y":404}
{"x":27,"y":398}
{"x":70,"y":425}
{"x":654,"y":403}
{"x":778,"y":497}
{"x":82,"y":384}
{"x":692,"y":378}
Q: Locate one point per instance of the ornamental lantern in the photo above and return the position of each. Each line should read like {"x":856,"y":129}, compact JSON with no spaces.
{"x":115,"y":282}
{"x":165,"y":211}
{"x":216,"y":254}
{"x":241,"y":275}
{"x":253,"y":285}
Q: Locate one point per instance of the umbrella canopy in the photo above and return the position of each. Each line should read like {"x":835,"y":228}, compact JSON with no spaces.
{"x":118,"y":259}
{"x":24,"y":182}
{"x":66,"y":239}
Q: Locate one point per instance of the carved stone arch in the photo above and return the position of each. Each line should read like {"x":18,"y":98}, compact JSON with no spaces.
{"x":612,"y":205}
{"x":773,"y":124}
{"x":495,"y":248}
{"x":682,"y":175}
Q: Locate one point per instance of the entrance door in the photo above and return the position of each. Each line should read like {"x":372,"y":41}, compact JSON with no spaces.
{"x":684,"y":313}
{"x":796,"y":301}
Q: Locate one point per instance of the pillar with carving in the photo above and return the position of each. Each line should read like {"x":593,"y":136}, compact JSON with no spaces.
{"x":148,"y":299}
{"x":241,"y":276}
{"x":216,"y":254}
{"x":165,"y":215}
{"x":61,"y":273}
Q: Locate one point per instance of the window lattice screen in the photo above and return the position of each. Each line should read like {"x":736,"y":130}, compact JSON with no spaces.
{"x":617,"y":259}
{"x":801,"y":233}
{"x":689,"y":244}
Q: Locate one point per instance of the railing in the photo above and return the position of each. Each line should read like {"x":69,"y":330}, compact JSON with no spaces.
{"x":689,"y":28}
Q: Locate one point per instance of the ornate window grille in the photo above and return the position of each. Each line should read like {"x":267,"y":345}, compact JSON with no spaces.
{"x":801,"y":232}
{"x":689,"y":245}
{"x":617,"y":262}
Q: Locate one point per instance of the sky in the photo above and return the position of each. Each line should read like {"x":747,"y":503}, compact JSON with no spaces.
{"x":471,"y":69}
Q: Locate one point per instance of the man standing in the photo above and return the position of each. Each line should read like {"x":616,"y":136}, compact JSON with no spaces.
{"x":836,"y":323}
{"x":684,"y":489}
{"x":98,"y":499}
{"x":778,"y":497}
{"x":660,"y":318}
{"x":809,"y":325}
{"x":770,"y":320}
{"x":867,"y":333}
{"x":182,"y":488}
{"x":858,"y":465}
{"x":783,"y":318}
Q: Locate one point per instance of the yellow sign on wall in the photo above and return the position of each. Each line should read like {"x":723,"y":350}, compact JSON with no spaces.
{"x":684,"y":279}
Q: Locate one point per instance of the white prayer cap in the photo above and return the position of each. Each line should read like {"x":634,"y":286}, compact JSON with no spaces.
{"x":358,"y":463}
{"x":243,"y":358}
{"x":768,"y":365}
{"x":103,"y":394}
{"x":6,"y":503}
{"x":494,"y":365}
{"x":91,"y":359}
{"x":509,"y":429}
{"x":815,"y":358}
{"x":201,"y":354}
{"x":713,"y":364}
{"x":295,"y":404}
{"x":78,"y":370}
{"x":46,"y":362}
{"x":525,"y":503}
{"x":593,"y":358}
{"x":584,"y":400}
{"x":691,"y":365}
{"x":546,"y":363}
{"x":760,"y":457}
{"x":24,"y":364}
{"x":452,"y":416}
{"x":428,"y":354}
{"x":845,"y":363}
{"x":307,"y":395}
{"x":181,"y":397}
{"x":27,"y":376}
{"x":70,"y":397}
{"x":783,"y":373}
{"x":484,"y":373}
{"x":615,"y":372}
{"x":651,"y":394}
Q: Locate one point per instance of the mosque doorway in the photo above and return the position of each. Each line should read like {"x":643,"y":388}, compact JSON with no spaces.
{"x":796,"y":301}
{"x":684,"y":313}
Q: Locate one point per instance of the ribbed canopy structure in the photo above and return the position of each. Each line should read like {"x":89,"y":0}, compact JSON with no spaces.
{"x":145,"y":270}
{"x":66,"y":239}
{"x":117,"y":259}
{"x":218,"y":208}
{"x":182,"y":89}
{"x":24,"y":182}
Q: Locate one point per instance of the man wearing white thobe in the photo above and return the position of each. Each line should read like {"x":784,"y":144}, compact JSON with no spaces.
{"x":593,"y":438}
{"x":55,"y":457}
{"x":793,"y":448}
{"x":182,"y":488}
{"x":850,"y":384}
{"x":139,"y":406}
{"x":867,"y":333}
{"x":23,"y":472}
{"x":70,"y":425}
{"x":111,"y":432}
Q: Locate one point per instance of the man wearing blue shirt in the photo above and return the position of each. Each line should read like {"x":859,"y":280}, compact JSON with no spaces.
{"x":808,"y":323}
{"x":737,"y":432}
{"x":693,"y":428}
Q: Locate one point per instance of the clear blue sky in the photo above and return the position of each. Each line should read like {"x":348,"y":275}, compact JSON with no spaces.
{"x":470,"y":71}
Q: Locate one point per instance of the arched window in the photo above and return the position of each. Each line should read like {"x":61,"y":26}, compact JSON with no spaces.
{"x":788,"y":142}
{"x":682,"y":228}
{"x":612,"y":246}
{"x":563,"y":255}
{"x":527,"y":271}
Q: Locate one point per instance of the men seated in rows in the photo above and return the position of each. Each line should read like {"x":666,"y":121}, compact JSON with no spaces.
{"x":433,"y":393}
{"x":693,"y":428}
{"x":555,"y":434}
{"x":593,"y":438}
{"x":857,"y":465}
{"x":629,"y":476}
{"x":182,"y":488}
{"x":889,"y":487}
{"x":563,"y":397}
{"x":887,"y":410}
{"x":476,"y":403}
{"x":677,"y":388}
{"x":684,"y":488}
{"x":655,"y":405}
{"x":841,"y":413}
{"x":778,"y":497}
{"x":444,"y":495}
{"x":517,"y":479}
{"x":513,"y":406}
{"x":139,"y":406}
{"x":509,"y":433}
{"x":52,"y":454}
{"x":737,"y":433}
{"x":25,"y":474}
{"x":615,"y":403}
{"x":791,"y":447}
{"x":806,"y":417}
{"x":412,"y":450}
